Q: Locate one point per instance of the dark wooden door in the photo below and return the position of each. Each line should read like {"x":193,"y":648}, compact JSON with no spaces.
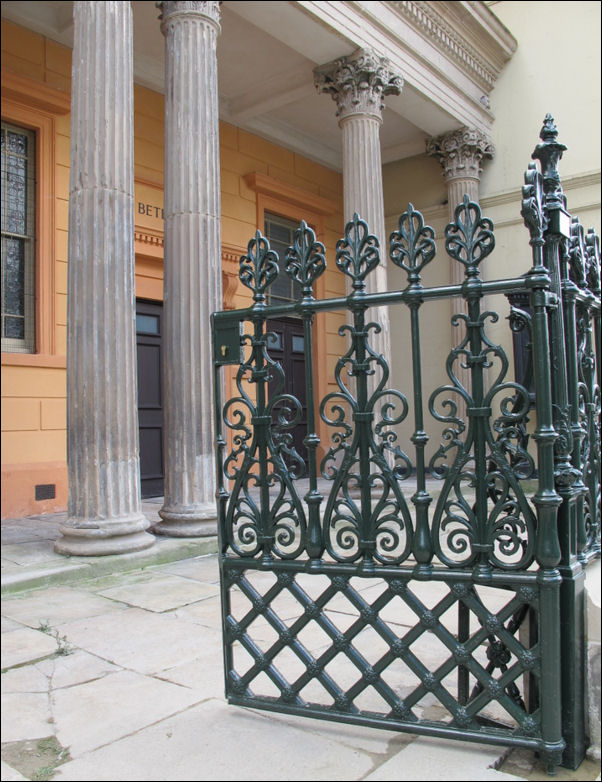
{"x":149,"y":323}
{"x":286,"y":345}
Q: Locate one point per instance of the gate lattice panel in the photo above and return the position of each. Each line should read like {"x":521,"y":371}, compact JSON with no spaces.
{"x":433,"y":615}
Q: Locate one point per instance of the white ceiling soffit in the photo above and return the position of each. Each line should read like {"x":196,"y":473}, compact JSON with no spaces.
{"x":449,"y":54}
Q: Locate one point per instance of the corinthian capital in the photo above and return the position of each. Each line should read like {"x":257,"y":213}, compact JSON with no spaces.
{"x":358,"y":83}
{"x":460,"y":152}
{"x":208,"y":9}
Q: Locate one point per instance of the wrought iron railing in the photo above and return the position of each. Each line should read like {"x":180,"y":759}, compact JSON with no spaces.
{"x":488,"y":575}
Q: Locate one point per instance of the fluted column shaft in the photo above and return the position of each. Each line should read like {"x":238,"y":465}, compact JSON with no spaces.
{"x":363,"y":193}
{"x":460,"y":153}
{"x":358,"y":84}
{"x":192,"y":264}
{"x":102,"y":423}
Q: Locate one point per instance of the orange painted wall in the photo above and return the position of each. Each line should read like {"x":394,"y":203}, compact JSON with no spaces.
{"x":33,"y":386}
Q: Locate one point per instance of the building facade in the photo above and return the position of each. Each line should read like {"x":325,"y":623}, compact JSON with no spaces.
{"x":140,"y":155}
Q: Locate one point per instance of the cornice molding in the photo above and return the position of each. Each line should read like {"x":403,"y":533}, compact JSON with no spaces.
{"x":149,"y":237}
{"x":267,"y":185}
{"x":34,"y":93}
{"x":497,"y":44}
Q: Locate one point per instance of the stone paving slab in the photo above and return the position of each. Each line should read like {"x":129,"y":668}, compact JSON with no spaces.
{"x":34,"y":552}
{"x":57,"y":605}
{"x":24,"y":646}
{"x":75,"y":668}
{"x":10,"y":774}
{"x":96,"y":713}
{"x":215,"y":741}
{"x":441,"y":759}
{"x":28,"y":678}
{"x":66,"y":570}
{"x":140,"y":640}
{"x":25,"y":716}
{"x":204,"y":568}
{"x":163,"y":593}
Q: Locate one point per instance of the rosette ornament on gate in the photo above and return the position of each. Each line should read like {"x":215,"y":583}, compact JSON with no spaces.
{"x":264,"y":513}
{"x":366,"y":515}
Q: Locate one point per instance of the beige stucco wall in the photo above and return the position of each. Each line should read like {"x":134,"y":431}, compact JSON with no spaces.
{"x":555,"y":69}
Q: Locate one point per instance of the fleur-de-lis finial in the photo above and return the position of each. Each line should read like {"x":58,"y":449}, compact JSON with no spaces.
{"x":259,"y":267}
{"x":413,"y":245}
{"x":469,"y":239}
{"x":305,"y":259}
{"x":358,"y":253}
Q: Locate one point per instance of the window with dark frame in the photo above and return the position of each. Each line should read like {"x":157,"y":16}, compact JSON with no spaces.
{"x":279,"y":231}
{"x":18,"y":239}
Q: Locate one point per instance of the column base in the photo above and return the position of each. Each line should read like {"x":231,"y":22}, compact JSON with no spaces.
{"x":187,"y":521}
{"x":100,"y":537}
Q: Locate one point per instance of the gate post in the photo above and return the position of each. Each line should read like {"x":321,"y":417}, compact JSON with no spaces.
{"x":566,"y":477}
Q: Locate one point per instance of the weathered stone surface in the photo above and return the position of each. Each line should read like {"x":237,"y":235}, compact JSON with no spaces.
{"x":56,"y":605}
{"x":10,"y":774}
{"x":126,"y":638}
{"x":75,"y":668}
{"x":25,"y":716}
{"x":192,"y":265}
{"x":102,"y":424}
{"x":25,"y":645}
{"x":163,"y":593}
{"x":88,"y":716}
{"x":441,"y":759}
{"x":177,"y":749}
{"x":27,"y":678}
{"x":200,"y":568}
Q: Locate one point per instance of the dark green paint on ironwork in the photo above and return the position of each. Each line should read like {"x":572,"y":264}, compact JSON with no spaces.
{"x":525,"y":654}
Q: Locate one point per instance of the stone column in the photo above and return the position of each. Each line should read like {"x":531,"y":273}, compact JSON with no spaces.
{"x":102,"y":422}
{"x":461,"y":153}
{"x":192,"y":265}
{"x":358,"y":84}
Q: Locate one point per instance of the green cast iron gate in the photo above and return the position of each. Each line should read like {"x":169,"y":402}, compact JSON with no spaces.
{"x":456,"y":613}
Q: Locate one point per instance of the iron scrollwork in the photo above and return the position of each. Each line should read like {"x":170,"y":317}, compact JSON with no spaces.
{"x":479,"y":464}
{"x":379,"y":525}
{"x":264,"y":512}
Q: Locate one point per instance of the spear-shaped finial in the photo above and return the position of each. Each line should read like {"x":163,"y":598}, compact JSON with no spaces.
{"x":549,"y":153}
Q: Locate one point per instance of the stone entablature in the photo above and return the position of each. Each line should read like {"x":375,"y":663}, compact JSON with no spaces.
{"x":468,"y":33}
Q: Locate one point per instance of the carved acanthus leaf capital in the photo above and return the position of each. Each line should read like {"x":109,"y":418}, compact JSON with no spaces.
{"x":461,"y":152}
{"x":358,"y":83}
{"x":207,"y":9}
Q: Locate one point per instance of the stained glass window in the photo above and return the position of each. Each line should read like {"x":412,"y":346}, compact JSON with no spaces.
{"x":18,"y":224}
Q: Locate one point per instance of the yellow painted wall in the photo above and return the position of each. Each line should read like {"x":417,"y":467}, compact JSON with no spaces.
{"x":33,"y":387}
{"x":33,"y":396}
